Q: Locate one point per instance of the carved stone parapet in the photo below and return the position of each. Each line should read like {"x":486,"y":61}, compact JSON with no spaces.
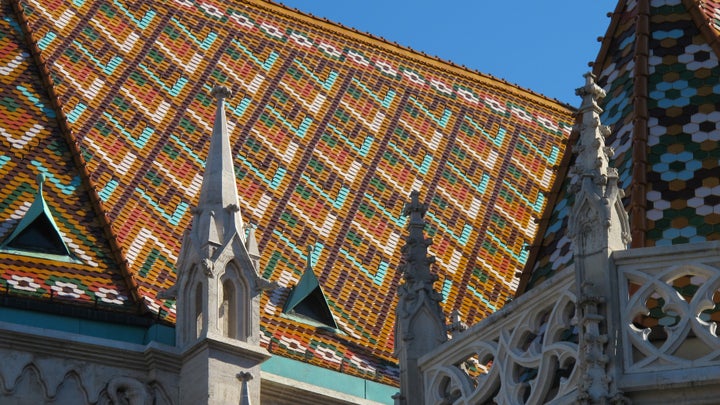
{"x":514,"y":356}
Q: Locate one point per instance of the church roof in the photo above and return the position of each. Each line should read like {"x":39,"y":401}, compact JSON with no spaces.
{"x":658,"y":64}
{"x":331,"y":129}
{"x":33,"y":145}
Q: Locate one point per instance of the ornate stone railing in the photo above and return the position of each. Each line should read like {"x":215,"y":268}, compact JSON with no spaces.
{"x":665,"y":348}
{"x":525,"y":353}
{"x":669,"y":303}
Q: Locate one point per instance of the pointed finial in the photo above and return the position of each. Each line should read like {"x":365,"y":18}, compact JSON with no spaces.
{"x":309,"y":257}
{"x":221,"y":92}
{"x":414,"y":206}
{"x":591,"y":93}
{"x":251,"y":242}
{"x":40,"y":179}
{"x":593,"y":178}
{"x":593,"y":156}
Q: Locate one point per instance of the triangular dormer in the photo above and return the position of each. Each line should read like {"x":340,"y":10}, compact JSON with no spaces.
{"x":307,"y":300}
{"x":37,"y":234}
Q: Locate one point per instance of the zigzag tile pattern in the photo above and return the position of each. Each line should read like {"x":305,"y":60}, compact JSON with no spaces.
{"x":331,"y":131}
{"x":32,"y":144}
{"x":616,"y":78}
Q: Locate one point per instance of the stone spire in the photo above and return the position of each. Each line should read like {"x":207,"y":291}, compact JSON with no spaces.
{"x":598,"y":225}
{"x":218,"y":287}
{"x":598,"y":204}
{"x":217,"y":217}
{"x":419,"y":321}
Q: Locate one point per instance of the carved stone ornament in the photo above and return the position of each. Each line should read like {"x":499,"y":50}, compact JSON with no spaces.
{"x":207,"y":265}
{"x":128,"y":391}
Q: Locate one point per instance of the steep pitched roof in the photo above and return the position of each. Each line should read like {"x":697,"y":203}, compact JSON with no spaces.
{"x":33,"y":145}
{"x":331,"y":130}
{"x":659,"y":65}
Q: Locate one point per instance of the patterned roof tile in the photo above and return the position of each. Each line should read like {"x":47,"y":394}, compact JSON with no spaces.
{"x":331,"y":129}
{"x":665,"y":143}
{"x":32,"y":143}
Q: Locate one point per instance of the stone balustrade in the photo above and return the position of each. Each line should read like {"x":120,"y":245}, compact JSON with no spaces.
{"x":666,"y":346}
{"x":669,"y":303}
{"x":524,"y":354}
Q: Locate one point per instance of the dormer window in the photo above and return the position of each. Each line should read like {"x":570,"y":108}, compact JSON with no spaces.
{"x":307,"y":303}
{"x":37,"y":234}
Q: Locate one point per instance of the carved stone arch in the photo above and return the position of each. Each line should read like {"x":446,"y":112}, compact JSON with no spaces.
{"x":228,"y":311}
{"x":585,"y":217}
{"x":234,"y":301}
{"x":71,"y":390}
{"x":192,"y":302}
{"x":28,"y":387}
{"x":688,"y":339}
{"x":561,"y":318}
{"x":445,"y":386}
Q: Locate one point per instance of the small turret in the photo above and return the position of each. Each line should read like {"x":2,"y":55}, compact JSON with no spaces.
{"x":419,"y":322}
{"x":218,"y":286}
{"x":598,"y":225}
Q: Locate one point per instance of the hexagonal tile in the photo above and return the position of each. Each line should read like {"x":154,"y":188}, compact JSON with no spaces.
{"x":695,"y":202}
{"x":661,"y":205}
{"x":654,"y":214}
{"x":704,"y":210}
{"x":703,"y":192}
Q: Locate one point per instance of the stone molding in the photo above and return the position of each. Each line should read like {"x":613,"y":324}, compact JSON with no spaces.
{"x":46,"y":365}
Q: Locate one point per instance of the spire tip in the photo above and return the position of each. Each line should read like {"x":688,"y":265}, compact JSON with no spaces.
{"x":221,"y":92}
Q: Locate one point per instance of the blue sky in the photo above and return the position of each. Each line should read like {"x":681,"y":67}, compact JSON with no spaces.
{"x":541,"y":45}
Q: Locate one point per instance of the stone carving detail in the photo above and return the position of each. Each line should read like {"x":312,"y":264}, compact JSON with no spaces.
{"x":667,"y":317}
{"x":127,"y":391}
{"x":528,"y":358}
{"x":597,"y":226}
{"x":598,"y":219}
{"x":420,"y":322}
{"x":31,"y":379}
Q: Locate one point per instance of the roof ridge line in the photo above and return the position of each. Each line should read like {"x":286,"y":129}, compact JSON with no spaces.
{"x":553,"y":195}
{"x":78,"y":160}
{"x":640,"y":114}
{"x":564,"y":166}
{"x":606,"y":39}
{"x":700,"y":18}
{"x":414,"y":54}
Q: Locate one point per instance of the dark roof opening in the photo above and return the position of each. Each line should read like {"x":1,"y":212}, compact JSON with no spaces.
{"x":315,"y":307}
{"x":307,"y":301}
{"x":40,"y":236}
{"x":37,"y":234}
